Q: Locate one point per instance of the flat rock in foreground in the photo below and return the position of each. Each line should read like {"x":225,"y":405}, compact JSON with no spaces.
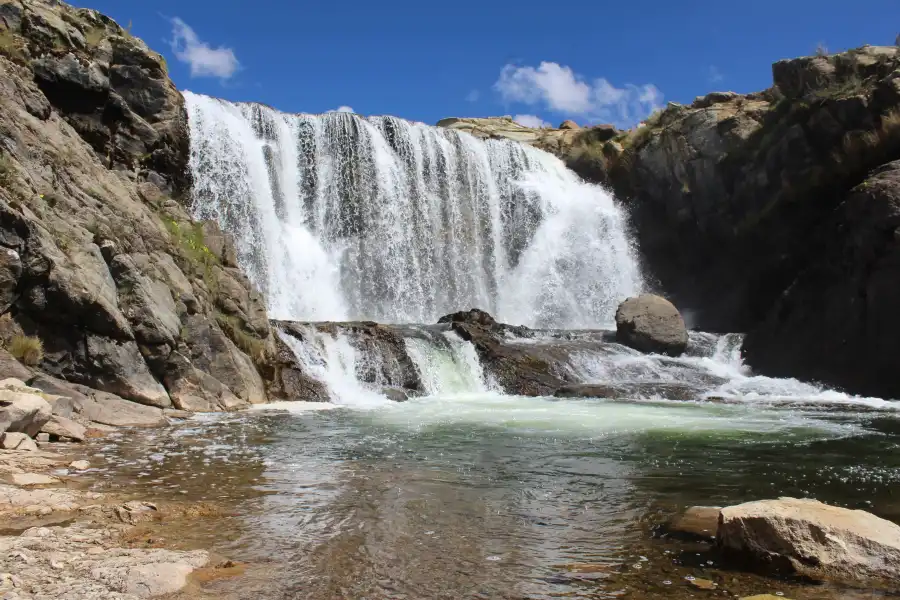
{"x":78,"y":562}
{"x":813,"y":539}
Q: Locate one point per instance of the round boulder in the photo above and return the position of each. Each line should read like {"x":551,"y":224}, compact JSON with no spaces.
{"x":651,"y":324}
{"x":569,"y":124}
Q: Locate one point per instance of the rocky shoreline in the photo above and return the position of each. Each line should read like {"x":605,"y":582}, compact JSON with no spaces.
{"x":63,"y":540}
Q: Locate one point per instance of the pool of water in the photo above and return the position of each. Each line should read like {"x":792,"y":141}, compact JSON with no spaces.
{"x":490,"y":496}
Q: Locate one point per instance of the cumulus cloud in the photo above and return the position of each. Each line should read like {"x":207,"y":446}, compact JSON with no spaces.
{"x":348,"y":109}
{"x":204,"y":60}
{"x":559,"y":89}
{"x":531,"y":121}
{"x":473,"y":96}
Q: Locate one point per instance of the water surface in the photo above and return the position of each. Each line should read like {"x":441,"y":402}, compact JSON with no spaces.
{"x":489,"y":496}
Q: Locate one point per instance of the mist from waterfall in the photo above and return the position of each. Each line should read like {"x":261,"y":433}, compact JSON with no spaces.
{"x":339,"y":217}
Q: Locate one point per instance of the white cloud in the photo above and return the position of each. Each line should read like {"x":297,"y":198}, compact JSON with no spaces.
{"x":347,"y":109}
{"x":205,"y":61}
{"x":531,"y":121}
{"x":561,"y":90}
{"x":715,"y":76}
{"x":473,"y":96}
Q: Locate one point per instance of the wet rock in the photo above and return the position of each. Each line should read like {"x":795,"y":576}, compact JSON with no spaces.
{"x":17,"y":441}
{"x":813,"y":539}
{"x":62,"y":427}
{"x":135,"y":512}
{"x":23,"y":412}
{"x":703,"y":584}
{"x":474,"y":316}
{"x":696,"y":522}
{"x":645,"y":390}
{"x":395,"y":394}
{"x":651,"y":323}
{"x":80,"y":465}
{"x":172,"y":413}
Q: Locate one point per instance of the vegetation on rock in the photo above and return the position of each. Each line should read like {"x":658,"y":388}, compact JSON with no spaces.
{"x":28,"y":349}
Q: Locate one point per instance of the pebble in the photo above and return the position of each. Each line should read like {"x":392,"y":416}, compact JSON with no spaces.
{"x":80,"y":465}
{"x":703,"y":584}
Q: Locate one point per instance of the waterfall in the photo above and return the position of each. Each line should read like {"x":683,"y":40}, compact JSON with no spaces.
{"x":451,"y":367}
{"x":339,"y":217}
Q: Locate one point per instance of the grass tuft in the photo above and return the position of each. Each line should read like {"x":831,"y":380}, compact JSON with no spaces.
{"x":28,"y":349}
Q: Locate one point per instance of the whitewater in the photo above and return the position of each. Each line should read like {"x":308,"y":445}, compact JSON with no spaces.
{"x":339,"y":217}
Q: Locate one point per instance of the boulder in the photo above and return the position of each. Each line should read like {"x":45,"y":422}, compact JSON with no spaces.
{"x":813,"y":539}
{"x":23,"y":412}
{"x":474,"y":316}
{"x":109,"y":409}
{"x":10,"y":367}
{"x":569,"y":124}
{"x":62,"y":427}
{"x":650,"y":323}
{"x":17,"y":441}
{"x":119,"y":368}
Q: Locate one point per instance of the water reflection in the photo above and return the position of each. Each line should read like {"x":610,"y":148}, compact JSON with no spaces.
{"x":344,"y":504}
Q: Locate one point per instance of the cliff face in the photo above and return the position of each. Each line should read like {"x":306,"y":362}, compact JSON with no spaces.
{"x":98,"y":259}
{"x":743,"y":209}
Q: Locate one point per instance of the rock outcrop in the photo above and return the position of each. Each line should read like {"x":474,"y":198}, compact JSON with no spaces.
{"x":838,"y":321}
{"x":744,"y":214}
{"x":651,"y":324}
{"x":99,"y":258}
{"x":813,"y":539}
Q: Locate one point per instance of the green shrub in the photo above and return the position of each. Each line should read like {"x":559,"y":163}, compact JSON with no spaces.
{"x":29,"y":350}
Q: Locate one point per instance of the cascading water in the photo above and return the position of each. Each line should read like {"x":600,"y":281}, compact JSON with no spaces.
{"x":449,"y":367}
{"x":339,"y":217}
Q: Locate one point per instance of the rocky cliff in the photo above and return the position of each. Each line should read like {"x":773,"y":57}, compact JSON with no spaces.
{"x":100,"y":264}
{"x":770,"y":212}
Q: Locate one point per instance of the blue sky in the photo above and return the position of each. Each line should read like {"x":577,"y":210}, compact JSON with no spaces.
{"x":588,"y":60}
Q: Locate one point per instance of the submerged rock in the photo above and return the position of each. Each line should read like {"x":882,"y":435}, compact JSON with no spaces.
{"x":813,"y":539}
{"x":651,"y":323}
{"x":696,"y":522}
{"x":663,"y":390}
